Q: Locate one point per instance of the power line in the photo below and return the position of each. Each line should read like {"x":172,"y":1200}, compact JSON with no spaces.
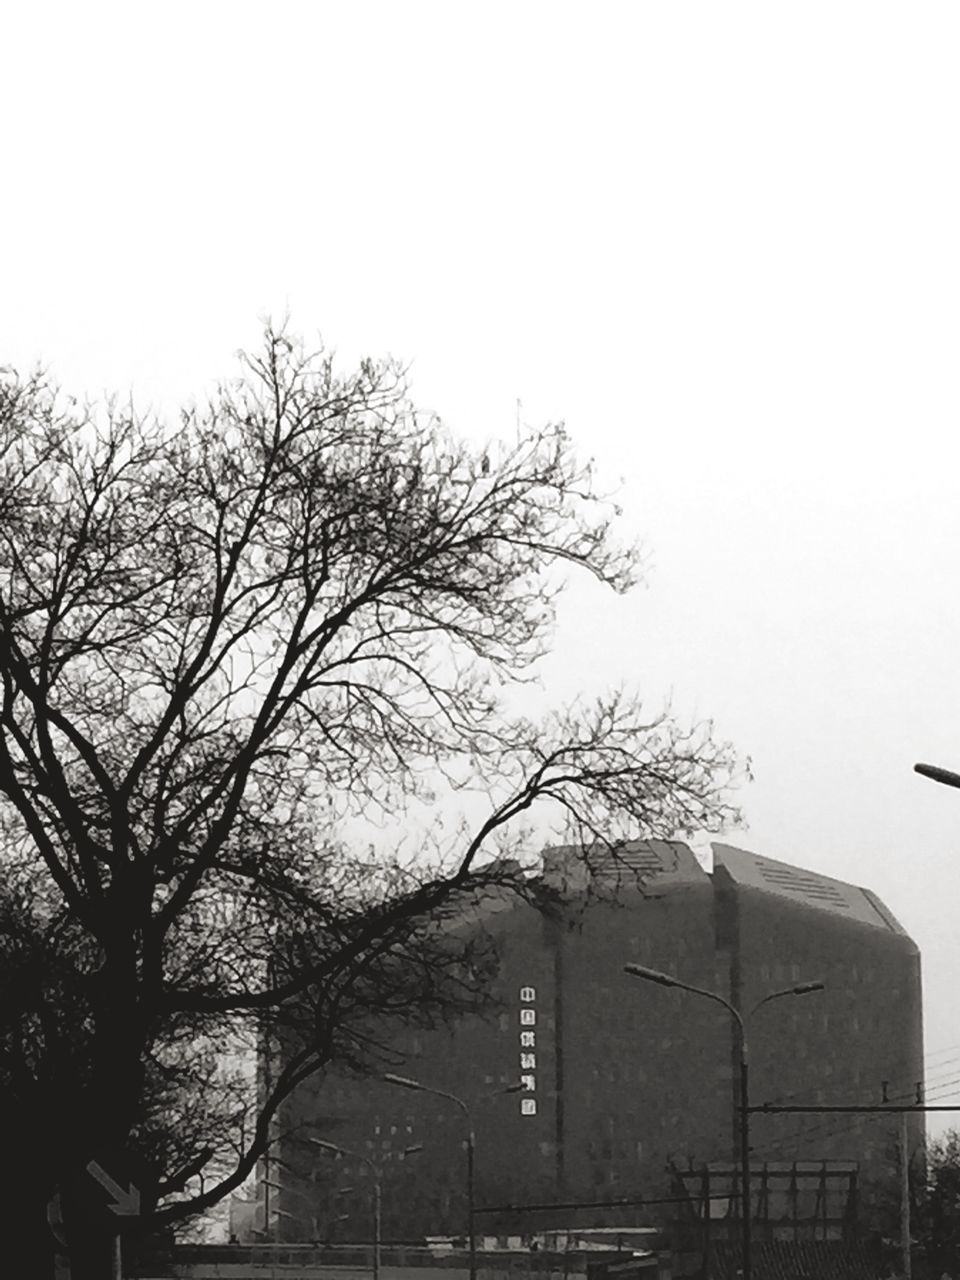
{"x":929,"y":1072}
{"x":767,"y":1108}
{"x":825,"y":1132}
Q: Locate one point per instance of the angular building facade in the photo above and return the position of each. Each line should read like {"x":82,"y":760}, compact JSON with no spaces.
{"x":590,"y":1091}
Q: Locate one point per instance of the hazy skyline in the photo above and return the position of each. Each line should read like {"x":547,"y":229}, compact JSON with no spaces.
{"x":719,"y":241}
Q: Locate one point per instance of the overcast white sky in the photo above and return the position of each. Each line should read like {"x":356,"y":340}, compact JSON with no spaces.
{"x":720,"y":240}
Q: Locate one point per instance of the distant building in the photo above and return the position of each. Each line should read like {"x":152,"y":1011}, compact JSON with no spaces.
{"x":245,"y":1217}
{"x":628,"y":1088}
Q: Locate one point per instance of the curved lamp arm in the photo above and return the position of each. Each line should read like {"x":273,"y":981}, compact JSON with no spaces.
{"x":406,"y":1083}
{"x":801,"y":989}
{"x":667,"y":980}
{"x":343,"y":1151}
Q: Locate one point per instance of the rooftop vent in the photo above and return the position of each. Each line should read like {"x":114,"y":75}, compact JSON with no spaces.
{"x":803,"y":883}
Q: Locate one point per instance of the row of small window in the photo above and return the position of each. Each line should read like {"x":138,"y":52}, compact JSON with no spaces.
{"x":610,"y":1150}
{"x":588,"y":1096}
{"x":780,"y":972}
{"x":792,"y":973}
{"x":349,"y":1168}
{"x":651,"y":945}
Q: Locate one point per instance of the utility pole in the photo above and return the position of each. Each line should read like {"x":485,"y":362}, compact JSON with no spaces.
{"x":905,"y":1198}
{"x":745,"y":1197}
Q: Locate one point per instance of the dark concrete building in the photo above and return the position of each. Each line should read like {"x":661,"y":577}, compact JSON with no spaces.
{"x":587,"y":1086}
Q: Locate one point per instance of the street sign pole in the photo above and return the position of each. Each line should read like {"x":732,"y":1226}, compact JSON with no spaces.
{"x":61,"y":1263}
{"x":89,"y":1210}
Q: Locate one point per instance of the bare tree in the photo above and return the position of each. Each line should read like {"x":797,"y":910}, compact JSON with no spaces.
{"x":304,"y":603}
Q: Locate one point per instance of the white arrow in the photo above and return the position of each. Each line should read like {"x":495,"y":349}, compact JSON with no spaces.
{"x":127,"y":1203}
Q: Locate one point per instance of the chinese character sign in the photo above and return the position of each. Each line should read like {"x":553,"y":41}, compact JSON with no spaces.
{"x":528,"y":1042}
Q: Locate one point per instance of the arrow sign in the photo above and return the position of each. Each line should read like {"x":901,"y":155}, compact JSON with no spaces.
{"x":126,"y":1203}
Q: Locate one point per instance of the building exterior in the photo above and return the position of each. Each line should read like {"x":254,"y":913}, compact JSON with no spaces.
{"x":589,"y":1089}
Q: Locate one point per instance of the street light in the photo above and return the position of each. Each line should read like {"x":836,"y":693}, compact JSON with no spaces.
{"x":801,"y":989}
{"x":377,"y":1172}
{"x":406,"y":1083}
{"x":946,"y":776}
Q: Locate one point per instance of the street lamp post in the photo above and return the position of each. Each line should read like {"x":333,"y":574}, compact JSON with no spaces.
{"x":406,"y":1083}
{"x":946,"y":776}
{"x":377,"y":1172}
{"x":801,"y":989}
